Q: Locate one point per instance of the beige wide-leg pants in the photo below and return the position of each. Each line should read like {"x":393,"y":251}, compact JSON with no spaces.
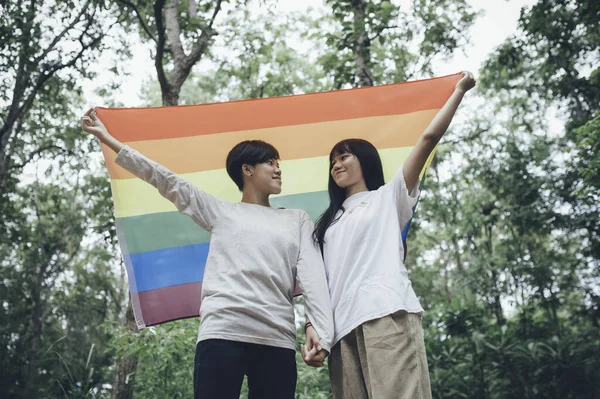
{"x":382,"y":359}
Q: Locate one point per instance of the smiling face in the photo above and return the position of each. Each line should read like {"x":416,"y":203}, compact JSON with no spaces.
{"x":266,"y":177}
{"x":346,"y":170}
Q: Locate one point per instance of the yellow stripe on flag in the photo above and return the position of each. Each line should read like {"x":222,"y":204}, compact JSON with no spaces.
{"x":134,"y":197}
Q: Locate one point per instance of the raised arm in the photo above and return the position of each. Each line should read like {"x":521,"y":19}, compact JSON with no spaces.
{"x":94,"y":126}
{"x":418,"y":156}
{"x":203,"y":208}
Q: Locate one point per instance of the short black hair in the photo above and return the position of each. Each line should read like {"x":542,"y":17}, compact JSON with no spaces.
{"x":248,"y":152}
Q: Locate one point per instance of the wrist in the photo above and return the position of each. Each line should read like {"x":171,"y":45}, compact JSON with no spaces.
{"x":307,"y":325}
{"x":104,"y":136}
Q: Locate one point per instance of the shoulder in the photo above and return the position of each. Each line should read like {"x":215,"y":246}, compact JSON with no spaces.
{"x":301,"y":215}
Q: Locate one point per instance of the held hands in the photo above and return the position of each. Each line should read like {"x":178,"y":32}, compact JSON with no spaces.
{"x":312,"y":354}
{"x":466,"y":83}
{"x":93,"y":125}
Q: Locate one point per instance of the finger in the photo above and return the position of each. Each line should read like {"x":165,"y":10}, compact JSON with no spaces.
{"x":303,"y":351}
{"x":315,"y":364}
{"x":310,"y":354}
{"x":309,"y":344}
{"x":320,"y":357}
{"x":89,"y":112}
{"x":316,"y":343}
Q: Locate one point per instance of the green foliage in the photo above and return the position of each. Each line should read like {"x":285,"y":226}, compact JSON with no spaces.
{"x":166,"y":361}
{"x":312,"y":383}
{"x":165,"y":354}
{"x":45,"y":52}
{"x":504,"y":250}
{"x":251,"y":59}
{"x":402,"y":41}
{"x":587,"y":160}
{"x":510,"y":231}
{"x":56,"y":292}
{"x":553,"y":56}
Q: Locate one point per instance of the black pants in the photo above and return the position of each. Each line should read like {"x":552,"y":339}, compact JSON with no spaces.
{"x":220,"y":366}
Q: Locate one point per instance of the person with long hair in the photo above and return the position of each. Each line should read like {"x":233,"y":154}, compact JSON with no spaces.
{"x":379,"y":350}
{"x":256,"y":254}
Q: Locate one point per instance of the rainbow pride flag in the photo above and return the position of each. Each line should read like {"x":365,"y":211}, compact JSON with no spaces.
{"x":165,"y":252}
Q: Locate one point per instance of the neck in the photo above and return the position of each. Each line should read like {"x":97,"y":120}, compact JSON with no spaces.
{"x":356,"y":188}
{"x":251,"y":196}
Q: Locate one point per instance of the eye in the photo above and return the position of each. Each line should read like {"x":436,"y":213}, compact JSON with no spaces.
{"x":270,"y":162}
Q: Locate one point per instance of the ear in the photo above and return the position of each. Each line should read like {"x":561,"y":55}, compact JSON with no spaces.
{"x":247,"y":170}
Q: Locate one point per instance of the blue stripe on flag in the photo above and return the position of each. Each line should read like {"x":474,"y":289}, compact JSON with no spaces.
{"x":169,"y":266}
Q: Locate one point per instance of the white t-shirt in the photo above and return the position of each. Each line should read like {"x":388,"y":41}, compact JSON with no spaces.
{"x":256,"y":255}
{"x":363,"y":256}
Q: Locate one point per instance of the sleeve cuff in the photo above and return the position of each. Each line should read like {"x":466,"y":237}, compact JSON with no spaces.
{"x":413,"y":195}
{"x":122,"y":155}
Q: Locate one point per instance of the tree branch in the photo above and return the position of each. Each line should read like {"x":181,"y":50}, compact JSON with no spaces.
{"x":200,"y":45}
{"x":39,"y":151}
{"x":383,"y":29}
{"x":48,"y":73}
{"x":43,"y":77}
{"x":160,"y":45}
{"x":470,"y":137}
{"x":193,"y":8}
{"x":174,"y":31}
{"x":139,"y":17}
{"x":62,"y":34}
{"x":214,"y":16}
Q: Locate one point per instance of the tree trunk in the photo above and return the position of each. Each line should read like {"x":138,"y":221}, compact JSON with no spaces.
{"x":168,"y":37}
{"x":170,"y":97}
{"x":34,"y":343}
{"x":362,"y":44}
{"x":124,"y":380}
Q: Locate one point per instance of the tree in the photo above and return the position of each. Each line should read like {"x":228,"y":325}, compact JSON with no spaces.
{"x":376,"y":42}
{"x":181,"y":33}
{"x":508,"y":231}
{"x":46,"y":50}
{"x":55,"y":291}
{"x":553,"y":60}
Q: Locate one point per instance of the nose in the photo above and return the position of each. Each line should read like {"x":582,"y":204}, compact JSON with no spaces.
{"x":336,"y":166}
{"x":278,"y":171}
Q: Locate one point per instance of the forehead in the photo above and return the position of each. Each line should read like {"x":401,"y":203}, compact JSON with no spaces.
{"x":274,"y":160}
{"x":338,"y":154}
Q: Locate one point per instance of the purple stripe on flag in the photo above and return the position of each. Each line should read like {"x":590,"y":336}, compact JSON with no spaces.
{"x":170,"y":303}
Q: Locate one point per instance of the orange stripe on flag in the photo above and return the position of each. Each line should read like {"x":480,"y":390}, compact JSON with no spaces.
{"x":208,"y":152}
{"x":137,"y":124}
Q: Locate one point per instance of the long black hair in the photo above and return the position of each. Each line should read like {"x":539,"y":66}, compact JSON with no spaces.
{"x":372,"y":171}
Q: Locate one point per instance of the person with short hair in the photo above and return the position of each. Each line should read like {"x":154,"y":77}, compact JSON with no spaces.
{"x":256,"y":255}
